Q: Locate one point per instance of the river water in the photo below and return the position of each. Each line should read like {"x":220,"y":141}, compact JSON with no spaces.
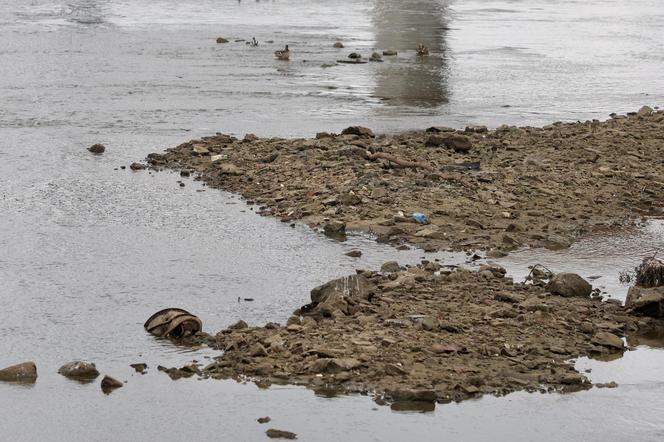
{"x":88,"y":250}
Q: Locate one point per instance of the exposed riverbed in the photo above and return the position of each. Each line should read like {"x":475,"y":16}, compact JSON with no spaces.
{"x":89,"y":252}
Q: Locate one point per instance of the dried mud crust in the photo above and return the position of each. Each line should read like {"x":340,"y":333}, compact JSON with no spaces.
{"x":427,"y":334}
{"x":540,"y":187}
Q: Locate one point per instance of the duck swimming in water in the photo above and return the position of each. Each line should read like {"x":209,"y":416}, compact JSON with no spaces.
{"x":422,"y":50}
{"x":283,"y":54}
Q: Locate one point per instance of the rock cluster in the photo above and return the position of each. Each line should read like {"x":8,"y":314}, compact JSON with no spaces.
{"x":419,"y":334}
{"x":490,"y":189}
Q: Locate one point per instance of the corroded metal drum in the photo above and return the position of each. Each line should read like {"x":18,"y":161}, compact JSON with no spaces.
{"x":173,"y":323}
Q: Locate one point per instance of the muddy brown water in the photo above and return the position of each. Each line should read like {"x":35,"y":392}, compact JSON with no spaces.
{"x":88,"y":252}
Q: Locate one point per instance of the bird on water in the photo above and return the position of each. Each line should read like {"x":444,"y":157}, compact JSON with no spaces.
{"x":283,"y":54}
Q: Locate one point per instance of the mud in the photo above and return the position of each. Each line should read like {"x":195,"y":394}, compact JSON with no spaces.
{"x":495,"y":190}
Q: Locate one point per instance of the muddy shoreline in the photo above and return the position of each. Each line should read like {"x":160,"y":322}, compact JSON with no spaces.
{"x":426,"y":332}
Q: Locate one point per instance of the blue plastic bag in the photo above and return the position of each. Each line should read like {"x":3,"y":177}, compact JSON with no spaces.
{"x":420,"y":217}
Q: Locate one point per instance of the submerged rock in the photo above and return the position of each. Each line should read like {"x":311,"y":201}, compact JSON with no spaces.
{"x":569,"y":284}
{"x":97,"y":148}
{"x":79,"y":370}
{"x":108,"y":384}
{"x":24,"y":372}
{"x":273,"y":433}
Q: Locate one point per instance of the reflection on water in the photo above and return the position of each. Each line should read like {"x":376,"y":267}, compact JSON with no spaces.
{"x":413,"y":406}
{"x":653,"y":338}
{"x":410,"y":79}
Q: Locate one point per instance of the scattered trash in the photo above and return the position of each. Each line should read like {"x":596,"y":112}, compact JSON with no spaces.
{"x":173,"y":323}
{"x":420,"y":217}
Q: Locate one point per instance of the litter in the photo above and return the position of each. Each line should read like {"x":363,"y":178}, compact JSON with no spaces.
{"x":173,"y":323}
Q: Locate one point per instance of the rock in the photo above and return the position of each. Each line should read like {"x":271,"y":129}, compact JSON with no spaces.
{"x":429,"y":323}
{"x":222,"y":40}
{"x":334,"y":227}
{"x":441,"y":348}
{"x":239,"y":325}
{"x":257,"y":351}
{"x":476,"y":129}
{"x":248,"y":138}
{"x":263,"y":420}
{"x":412,"y":395}
{"x":293,"y":320}
{"x":390,"y":53}
{"x":569,"y":284}
{"x":354,"y":253}
{"x":140,"y":367}
{"x":362,"y":132}
{"x":646,"y":301}
{"x":495,"y":254}
{"x":137,"y":166}
{"x":97,"y":148}
{"x":459,"y":143}
{"x":376,"y":57}
{"x":23,"y":372}
{"x":335,"y":365}
{"x":108,"y":384}
{"x":79,"y":370}
{"x":230,"y":169}
{"x":338,"y":45}
{"x":607,"y":339}
{"x":390,"y":267}
{"x":323,"y":135}
{"x":354,"y":56}
{"x":645,"y":111}
{"x":498,"y":271}
{"x":349,"y":199}
{"x":280,"y":434}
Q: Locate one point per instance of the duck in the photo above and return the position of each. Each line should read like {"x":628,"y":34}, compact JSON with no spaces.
{"x":282,"y":54}
{"x":422,"y":50}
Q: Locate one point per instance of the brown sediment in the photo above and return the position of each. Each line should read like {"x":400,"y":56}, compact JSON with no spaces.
{"x":427,"y":333}
{"x":539,"y":187}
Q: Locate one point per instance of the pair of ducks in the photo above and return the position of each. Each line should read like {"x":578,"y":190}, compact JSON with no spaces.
{"x":284,"y":54}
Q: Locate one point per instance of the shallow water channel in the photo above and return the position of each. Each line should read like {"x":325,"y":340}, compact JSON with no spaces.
{"x":88,"y":251}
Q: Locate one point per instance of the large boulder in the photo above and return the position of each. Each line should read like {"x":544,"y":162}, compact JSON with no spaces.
{"x":331,"y":299}
{"x":646,"y":301}
{"x":24,"y":372}
{"x":79,"y":370}
{"x":569,"y":284}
